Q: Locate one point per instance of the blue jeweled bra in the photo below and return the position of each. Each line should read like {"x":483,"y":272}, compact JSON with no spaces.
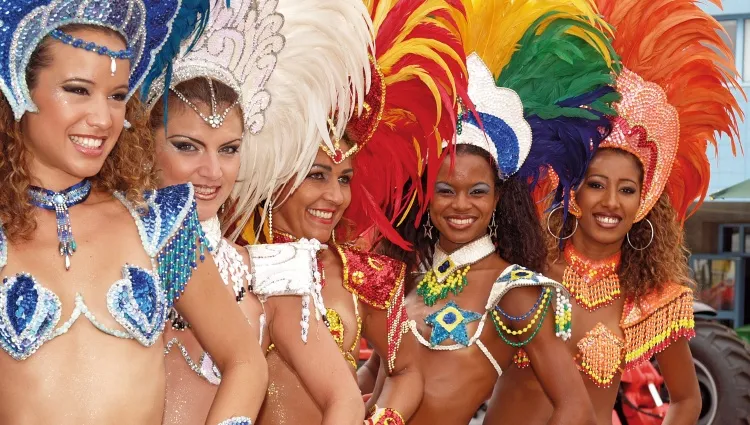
{"x":171,"y":235}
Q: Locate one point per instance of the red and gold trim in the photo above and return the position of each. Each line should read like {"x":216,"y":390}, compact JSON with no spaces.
{"x":385,"y":416}
{"x":656,"y":321}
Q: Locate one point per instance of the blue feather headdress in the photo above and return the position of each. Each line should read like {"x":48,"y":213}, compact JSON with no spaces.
{"x":145,"y":25}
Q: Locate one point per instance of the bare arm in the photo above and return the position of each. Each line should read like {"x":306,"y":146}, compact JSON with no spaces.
{"x":404,"y":386}
{"x":676,"y":366}
{"x":318,"y":363}
{"x":367,"y":375}
{"x":551,"y":361}
{"x":223,"y":331}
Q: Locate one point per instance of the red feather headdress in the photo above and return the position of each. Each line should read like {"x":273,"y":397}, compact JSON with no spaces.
{"x":418,"y":72}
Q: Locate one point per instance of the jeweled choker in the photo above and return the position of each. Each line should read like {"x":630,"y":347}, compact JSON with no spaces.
{"x":60,"y":202}
{"x":448,"y":273}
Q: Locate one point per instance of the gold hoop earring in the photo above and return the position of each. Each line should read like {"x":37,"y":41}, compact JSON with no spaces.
{"x":550,"y":230}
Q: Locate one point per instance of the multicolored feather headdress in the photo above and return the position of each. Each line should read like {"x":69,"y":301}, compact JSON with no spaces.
{"x":146,"y":26}
{"x":418,"y":75}
{"x":540,"y":77}
{"x":676,"y":96}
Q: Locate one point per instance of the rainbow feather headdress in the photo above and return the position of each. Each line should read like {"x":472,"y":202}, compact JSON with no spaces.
{"x":540,"y":79}
{"x":418,"y":75}
{"x":676,"y":98}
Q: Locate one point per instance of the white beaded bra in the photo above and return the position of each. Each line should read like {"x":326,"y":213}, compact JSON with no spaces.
{"x":139,"y":302}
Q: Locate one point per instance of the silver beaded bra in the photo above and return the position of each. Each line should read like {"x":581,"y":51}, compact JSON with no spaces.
{"x":171,"y":236}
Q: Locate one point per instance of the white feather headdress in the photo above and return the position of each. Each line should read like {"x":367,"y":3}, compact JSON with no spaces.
{"x":295,"y":64}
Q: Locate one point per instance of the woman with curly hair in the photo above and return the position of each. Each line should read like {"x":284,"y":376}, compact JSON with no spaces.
{"x":212,"y":135}
{"x":79,"y":211}
{"x":477,"y":293}
{"x":622,"y":254}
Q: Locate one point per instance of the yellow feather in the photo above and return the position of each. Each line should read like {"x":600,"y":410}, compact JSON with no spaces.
{"x":496,"y":26}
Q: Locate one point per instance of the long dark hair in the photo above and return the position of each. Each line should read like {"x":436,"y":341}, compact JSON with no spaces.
{"x":519,"y":236}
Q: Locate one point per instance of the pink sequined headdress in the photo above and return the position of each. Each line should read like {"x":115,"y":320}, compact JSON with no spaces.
{"x":675,"y":83}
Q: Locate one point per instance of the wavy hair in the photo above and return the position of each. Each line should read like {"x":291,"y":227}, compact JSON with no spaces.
{"x":128,"y":168}
{"x":519,"y":236}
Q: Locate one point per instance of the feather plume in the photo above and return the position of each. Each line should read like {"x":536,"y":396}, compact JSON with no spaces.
{"x":676,"y":45}
{"x":421,"y":63}
{"x":323,"y":71}
{"x":557,"y":56}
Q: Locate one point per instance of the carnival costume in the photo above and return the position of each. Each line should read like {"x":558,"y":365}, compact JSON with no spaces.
{"x":167,"y":222}
{"x":411,"y":101}
{"x":244,"y":45}
{"x":674,"y":85}
{"x":538,"y":87}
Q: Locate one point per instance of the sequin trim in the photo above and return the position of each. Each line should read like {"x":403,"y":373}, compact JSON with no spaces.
{"x":385,"y":416}
{"x":237,"y":420}
{"x":659,"y":319}
{"x":205,"y":368}
{"x":376,"y":285}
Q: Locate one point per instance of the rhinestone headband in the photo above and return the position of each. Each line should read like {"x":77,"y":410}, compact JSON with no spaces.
{"x":215,"y":120}
{"x":145,"y":26}
{"x":337,"y":155}
{"x":93,"y":47}
{"x":503,"y":131}
{"x":238,"y":48}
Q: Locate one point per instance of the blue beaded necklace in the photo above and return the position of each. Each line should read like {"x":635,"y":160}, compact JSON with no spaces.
{"x":60,"y":202}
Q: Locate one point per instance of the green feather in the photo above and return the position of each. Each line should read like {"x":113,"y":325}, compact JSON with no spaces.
{"x":551,"y":65}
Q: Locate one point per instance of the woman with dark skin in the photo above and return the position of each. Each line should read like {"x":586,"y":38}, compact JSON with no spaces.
{"x":476,"y":280}
{"x":623,"y":254}
{"x":82,"y":322}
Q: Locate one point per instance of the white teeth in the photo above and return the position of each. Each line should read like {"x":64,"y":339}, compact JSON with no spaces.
{"x":461,"y":221}
{"x":325,"y":215}
{"x":86,"y":142}
{"x":205,"y":190}
{"x":607,"y":220}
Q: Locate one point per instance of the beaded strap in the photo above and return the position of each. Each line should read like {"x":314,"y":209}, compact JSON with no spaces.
{"x":237,"y":420}
{"x":3,"y":248}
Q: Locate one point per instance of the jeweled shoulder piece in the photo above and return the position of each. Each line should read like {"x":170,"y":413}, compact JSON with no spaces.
{"x":145,"y":25}
{"x":289,"y":269}
{"x":655,"y":321}
{"x":171,"y":235}
{"x":229,"y":261}
{"x":506,"y":134}
{"x":238,"y":47}
{"x":515,"y":276}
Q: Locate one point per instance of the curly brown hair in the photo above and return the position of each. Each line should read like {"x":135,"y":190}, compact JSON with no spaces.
{"x":519,"y":237}
{"x":648,"y":270}
{"x":128,"y":168}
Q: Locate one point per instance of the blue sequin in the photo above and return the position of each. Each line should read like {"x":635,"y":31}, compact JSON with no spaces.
{"x":450,"y":322}
{"x":504,"y":139}
{"x":139,"y":302}
{"x":444,"y":267}
{"x":145,"y":24}
{"x":28,"y":315}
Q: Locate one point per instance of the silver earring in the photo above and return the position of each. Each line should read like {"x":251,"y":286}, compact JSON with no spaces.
{"x":127,"y":125}
{"x":493,"y":226}
{"x":428,"y":227}
{"x":550,"y":230}
{"x":649,"y":241}
{"x":270,"y":219}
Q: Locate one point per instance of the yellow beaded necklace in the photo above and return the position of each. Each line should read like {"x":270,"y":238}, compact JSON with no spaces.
{"x":448,"y":274}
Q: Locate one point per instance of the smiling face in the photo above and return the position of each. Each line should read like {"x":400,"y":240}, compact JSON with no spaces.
{"x":464,"y":200}
{"x":192,"y":151}
{"x":609,"y":199}
{"x":316,"y":207}
{"x":81,"y":109}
